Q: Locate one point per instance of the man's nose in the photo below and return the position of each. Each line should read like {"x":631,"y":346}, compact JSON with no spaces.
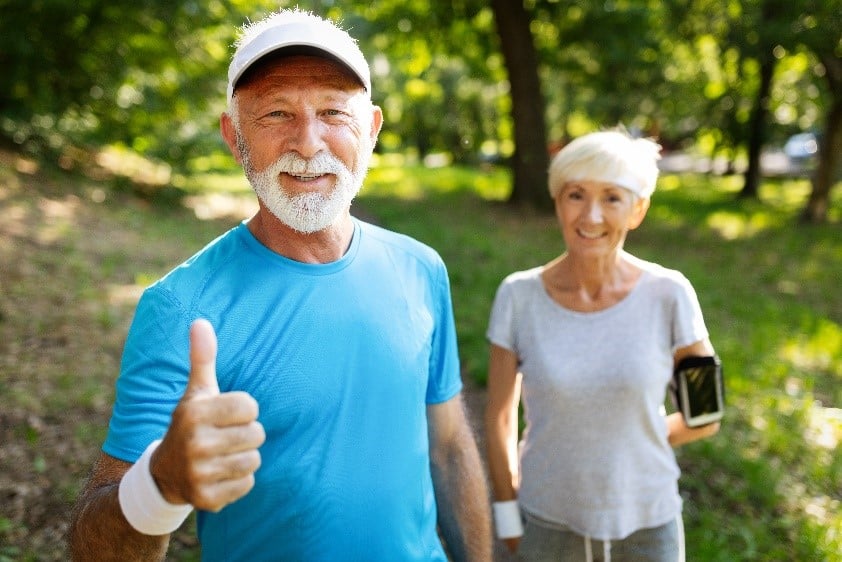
{"x":307,"y":137}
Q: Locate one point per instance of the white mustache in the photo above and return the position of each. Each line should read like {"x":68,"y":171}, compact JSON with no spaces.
{"x":321,"y":163}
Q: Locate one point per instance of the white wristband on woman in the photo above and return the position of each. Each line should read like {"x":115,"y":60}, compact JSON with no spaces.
{"x":142,"y":503}
{"x":507,"y":520}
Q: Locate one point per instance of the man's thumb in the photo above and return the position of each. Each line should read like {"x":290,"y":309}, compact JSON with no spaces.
{"x":202,"y":357}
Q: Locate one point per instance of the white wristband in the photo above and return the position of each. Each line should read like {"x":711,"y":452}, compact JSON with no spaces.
{"x":507,"y":520}
{"x":142,"y":503}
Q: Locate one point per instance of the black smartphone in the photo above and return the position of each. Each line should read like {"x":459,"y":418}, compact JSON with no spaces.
{"x":699,"y":390}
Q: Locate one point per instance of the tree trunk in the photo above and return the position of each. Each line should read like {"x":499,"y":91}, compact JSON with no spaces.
{"x":830,"y":147}
{"x":757,"y":127}
{"x":530,"y":162}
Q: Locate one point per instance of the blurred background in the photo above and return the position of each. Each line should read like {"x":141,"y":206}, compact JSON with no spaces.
{"x":112,"y":171}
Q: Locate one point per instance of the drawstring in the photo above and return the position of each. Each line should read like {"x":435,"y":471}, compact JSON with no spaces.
{"x":606,"y":550}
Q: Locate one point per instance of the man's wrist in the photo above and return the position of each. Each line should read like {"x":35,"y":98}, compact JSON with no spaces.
{"x":142,"y":504}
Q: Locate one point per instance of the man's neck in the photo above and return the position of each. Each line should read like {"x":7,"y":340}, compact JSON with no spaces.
{"x":324,"y":246}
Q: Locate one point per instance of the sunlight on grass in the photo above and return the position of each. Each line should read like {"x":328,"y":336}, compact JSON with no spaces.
{"x":825,"y":427}
{"x":788,"y":194}
{"x":124,"y":162}
{"x":732,"y":226}
{"x":417,"y":182}
{"x":213,"y":182}
{"x":698,"y":184}
{"x":821,"y":349}
{"x":395,"y":182}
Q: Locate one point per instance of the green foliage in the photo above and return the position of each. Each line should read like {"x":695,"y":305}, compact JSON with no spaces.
{"x":150,"y":75}
{"x":604,"y":62}
{"x":729,"y":41}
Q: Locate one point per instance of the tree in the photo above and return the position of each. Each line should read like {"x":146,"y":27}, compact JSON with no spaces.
{"x":84,"y":71}
{"x":819,"y":29}
{"x":530,"y":162}
{"x":603,"y":62}
{"x":771,"y":15}
{"x":830,"y":149}
{"x":758,"y":35}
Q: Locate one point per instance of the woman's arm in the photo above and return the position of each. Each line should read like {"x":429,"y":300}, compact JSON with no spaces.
{"x":501,"y":426}
{"x":678,"y":431}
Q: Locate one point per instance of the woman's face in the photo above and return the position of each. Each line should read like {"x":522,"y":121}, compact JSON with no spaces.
{"x":595,"y":216}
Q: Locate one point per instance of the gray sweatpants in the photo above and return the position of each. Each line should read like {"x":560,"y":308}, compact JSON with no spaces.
{"x":659,"y":544}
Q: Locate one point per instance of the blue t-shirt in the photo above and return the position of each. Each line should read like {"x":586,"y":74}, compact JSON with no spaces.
{"x":342,"y":358}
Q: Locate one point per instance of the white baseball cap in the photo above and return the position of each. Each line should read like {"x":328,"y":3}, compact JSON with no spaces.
{"x":296,"y":28}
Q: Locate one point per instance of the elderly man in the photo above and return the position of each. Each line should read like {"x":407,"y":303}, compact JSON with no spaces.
{"x":327,"y":423}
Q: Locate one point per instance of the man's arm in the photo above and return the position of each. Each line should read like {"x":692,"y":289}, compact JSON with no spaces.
{"x":459,"y":481}
{"x":206,"y":459}
{"x":98,"y":529}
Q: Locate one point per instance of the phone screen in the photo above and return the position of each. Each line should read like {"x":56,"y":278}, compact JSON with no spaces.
{"x":700,"y":387}
{"x":701,"y":390}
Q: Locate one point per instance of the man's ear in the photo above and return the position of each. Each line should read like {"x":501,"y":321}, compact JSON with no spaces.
{"x":229,"y":135}
{"x":641,"y":205}
{"x":376,"y":123}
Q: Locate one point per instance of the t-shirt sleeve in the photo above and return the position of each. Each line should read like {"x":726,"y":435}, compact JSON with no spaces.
{"x":501,"y":328}
{"x":689,"y":323}
{"x":445,"y":380}
{"x":153,"y":375}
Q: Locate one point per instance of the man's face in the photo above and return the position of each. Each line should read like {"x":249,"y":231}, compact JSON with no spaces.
{"x":305,"y":130}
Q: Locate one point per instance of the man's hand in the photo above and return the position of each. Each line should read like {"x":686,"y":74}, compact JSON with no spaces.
{"x":209,"y":454}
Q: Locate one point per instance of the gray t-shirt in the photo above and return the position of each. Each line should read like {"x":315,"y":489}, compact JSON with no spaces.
{"x":595,"y":456}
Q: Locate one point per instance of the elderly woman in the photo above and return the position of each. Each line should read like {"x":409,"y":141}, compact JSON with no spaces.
{"x":592,"y":337}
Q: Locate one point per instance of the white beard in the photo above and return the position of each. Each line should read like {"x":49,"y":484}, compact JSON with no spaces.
{"x":313,"y":211}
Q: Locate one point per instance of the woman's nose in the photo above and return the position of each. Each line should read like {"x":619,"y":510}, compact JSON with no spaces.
{"x":594,"y":212}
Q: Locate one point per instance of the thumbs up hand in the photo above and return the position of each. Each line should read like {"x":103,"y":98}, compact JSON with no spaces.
{"x":209,"y":454}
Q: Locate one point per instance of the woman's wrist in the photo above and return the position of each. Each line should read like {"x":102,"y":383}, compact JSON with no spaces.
{"x":507,"y":519}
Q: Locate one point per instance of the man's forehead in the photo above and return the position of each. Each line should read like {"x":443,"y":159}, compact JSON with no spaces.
{"x":275,"y":71}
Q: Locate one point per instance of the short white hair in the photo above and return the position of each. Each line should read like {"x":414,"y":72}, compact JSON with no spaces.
{"x":608,"y":156}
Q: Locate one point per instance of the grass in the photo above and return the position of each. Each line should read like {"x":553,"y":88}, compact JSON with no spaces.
{"x":76,"y":253}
